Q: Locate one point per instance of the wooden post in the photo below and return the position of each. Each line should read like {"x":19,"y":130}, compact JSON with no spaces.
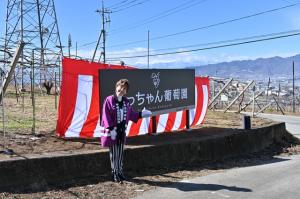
{"x":264,"y":108}
{"x":187,"y":119}
{"x":248,"y":103}
{"x":228,"y":107}
{"x":278,"y":105}
{"x":219,"y":93}
{"x":32,"y":94}
{"x":253,"y":104}
{"x":55,"y":90}
{"x":3,"y":115}
{"x":153,"y":124}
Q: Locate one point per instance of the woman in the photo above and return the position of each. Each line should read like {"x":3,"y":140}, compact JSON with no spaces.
{"x":115,"y":116}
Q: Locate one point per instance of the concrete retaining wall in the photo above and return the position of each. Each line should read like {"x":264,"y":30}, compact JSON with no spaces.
{"x":40,"y":172}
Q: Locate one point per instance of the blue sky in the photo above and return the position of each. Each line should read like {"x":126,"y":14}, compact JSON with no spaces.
{"x":79,"y":18}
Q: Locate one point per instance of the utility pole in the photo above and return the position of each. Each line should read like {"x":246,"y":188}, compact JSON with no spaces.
{"x":69,"y":44}
{"x":105,"y":19}
{"x":76,"y":50}
{"x":148,"y":48}
{"x":293,"y":87}
{"x":278,"y":98}
{"x":268,"y":90}
{"x":253,"y":104}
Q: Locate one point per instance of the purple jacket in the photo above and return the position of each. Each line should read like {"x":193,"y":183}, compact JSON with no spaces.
{"x":109,"y":116}
{"x":109,"y":112}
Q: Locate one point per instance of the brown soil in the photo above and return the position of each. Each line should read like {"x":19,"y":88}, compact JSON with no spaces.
{"x":47,"y":141}
{"x":22,"y":141}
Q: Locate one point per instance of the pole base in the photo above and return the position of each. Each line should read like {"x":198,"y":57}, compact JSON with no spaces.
{"x":8,"y":152}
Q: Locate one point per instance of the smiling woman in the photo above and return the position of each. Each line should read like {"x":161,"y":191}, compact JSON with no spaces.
{"x":115,"y":116}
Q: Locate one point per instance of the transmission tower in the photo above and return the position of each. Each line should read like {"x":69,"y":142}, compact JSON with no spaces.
{"x":33,"y":22}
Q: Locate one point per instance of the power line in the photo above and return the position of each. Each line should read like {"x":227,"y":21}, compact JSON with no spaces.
{"x":207,"y":26}
{"x":121,"y":4}
{"x":196,"y":29}
{"x":221,"y":42}
{"x":129,"y":6}
{"x":213,"y":47}
{"x":164,"y":14}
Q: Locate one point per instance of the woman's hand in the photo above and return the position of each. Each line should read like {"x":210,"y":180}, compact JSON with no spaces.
{"x":146,"y":113}
{"x":113,"y":134}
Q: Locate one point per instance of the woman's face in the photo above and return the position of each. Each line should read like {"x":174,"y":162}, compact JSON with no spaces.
{"x":121,"y":90}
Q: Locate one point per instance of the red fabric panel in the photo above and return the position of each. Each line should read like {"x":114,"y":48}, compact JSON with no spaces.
{"x":67,"y":101}
{"x":199,"y":102}
{"x":135,"y":128}
{"x":170,"y":122}
{"x":90,"y":124}
{"x":183,"y":120}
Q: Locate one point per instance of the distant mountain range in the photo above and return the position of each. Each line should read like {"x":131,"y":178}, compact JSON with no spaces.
{"x":258,"y":69}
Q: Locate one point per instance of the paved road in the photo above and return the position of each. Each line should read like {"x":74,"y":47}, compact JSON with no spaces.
{"x":292,"y":122}
{"x":277,"y":179}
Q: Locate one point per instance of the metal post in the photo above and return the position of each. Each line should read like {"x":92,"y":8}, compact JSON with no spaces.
{"x":42,"y":58}
{"x":293,"y":88}
{"x":59,"y":73}
{"x":3,"y":115}
{"x":213,"y":94}
{"x":148,"y":48}
{"x":55,"y":90}
{"x":32,"y":94}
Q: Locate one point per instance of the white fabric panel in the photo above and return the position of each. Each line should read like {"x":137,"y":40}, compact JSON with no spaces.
{"x":144,"y":128}
{"x":205,"y":103}
{"x":82,"y":107}
{"x":193,"y":111}
{"x":177,"y":120}
{"x":128,"y":127}
{"x":99,"y":130}
{"x":162,"y":122}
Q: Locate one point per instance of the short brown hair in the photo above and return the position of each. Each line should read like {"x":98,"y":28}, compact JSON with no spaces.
{"x":123,"y":83}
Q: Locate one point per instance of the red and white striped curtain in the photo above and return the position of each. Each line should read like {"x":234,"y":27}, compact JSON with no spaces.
{"x":78,"y":112}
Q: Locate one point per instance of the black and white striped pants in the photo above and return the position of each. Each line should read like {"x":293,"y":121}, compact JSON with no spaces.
{"x":116,"y":152}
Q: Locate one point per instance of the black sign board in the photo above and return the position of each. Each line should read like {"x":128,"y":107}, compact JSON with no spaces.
{"x":158,"y":90}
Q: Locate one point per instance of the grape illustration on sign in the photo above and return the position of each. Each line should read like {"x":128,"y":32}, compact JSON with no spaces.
{"x":156,"y":79}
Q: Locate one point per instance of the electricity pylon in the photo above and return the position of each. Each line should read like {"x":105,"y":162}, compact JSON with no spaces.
{"x":33,"y":22}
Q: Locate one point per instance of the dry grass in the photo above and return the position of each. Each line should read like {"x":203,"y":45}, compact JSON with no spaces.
{"x":19,"y":114}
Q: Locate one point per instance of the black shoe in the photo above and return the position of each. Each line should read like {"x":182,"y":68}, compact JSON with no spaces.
{"x":122,"y":177}
{"x":115,"y":178}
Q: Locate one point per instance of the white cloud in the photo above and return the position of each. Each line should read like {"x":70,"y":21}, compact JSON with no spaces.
{"x":295,"y":20}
